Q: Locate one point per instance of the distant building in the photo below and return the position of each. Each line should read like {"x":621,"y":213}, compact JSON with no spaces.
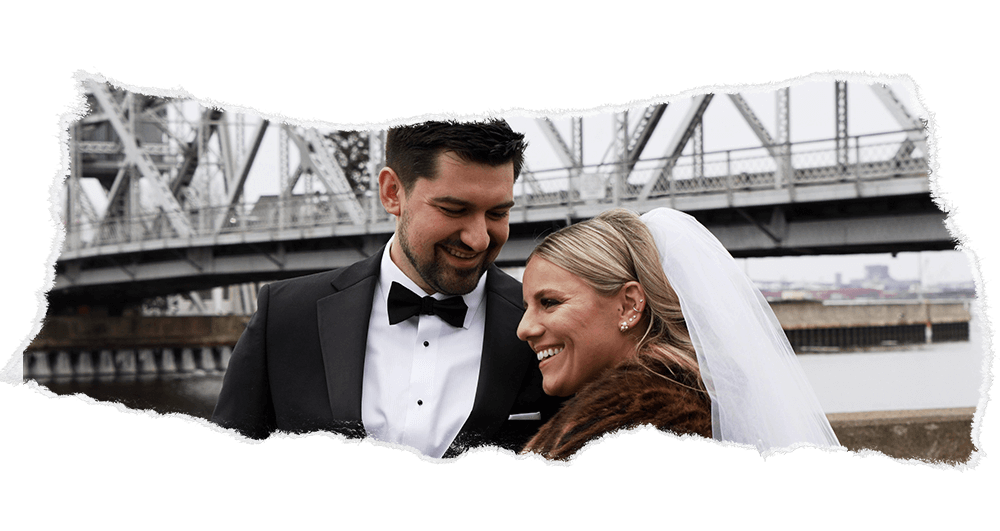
{"x":877,"y":277}
{"x":877,"y":284}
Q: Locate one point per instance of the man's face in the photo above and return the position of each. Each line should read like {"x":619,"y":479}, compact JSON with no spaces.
{"x":450,"y":228}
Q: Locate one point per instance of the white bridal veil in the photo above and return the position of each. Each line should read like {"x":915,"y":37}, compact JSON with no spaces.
{"x":760,"y":395}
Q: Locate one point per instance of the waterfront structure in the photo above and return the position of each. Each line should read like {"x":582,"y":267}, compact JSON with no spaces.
{"x":171,"y":216}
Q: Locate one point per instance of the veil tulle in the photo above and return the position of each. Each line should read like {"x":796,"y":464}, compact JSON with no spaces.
{"x":759,"y":394}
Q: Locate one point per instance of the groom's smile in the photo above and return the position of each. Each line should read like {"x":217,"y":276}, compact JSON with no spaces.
{"x":452,"y":225}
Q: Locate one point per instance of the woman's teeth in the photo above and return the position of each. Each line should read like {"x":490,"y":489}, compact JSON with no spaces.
{"x":549,"y":352}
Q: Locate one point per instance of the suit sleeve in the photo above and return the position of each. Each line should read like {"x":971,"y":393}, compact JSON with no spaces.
{"x":245,"y":401}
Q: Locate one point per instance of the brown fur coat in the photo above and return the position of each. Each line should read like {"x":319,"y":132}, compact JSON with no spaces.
{"x":626,"y":396}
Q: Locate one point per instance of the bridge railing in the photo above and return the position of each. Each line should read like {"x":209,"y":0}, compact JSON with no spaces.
{"x":269,"y":214}
{"x":868,"y":157}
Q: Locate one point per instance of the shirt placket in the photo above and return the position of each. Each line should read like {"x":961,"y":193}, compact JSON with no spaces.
{"x":422,"y":399}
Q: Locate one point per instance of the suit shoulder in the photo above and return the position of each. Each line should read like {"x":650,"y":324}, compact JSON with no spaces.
{"x":306,"y":281}
{"x":506,"y":286}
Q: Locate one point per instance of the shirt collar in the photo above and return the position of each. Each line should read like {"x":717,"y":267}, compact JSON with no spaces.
{"x":389,"y":272}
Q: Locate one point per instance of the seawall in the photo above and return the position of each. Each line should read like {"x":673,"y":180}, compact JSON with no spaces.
{"x":932,"y":435}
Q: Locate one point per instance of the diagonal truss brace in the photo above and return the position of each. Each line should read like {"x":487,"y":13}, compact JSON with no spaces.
{"x":236,"y":185}
{"x":777,"y":148}
{"x":162,"y":196}
{"x":314,"y":155}
{"x":643,"y":132}
{"x":756,"y":125}
{"x":562,"y":150}
{"x":677,"y":144}
{"x":571,"y":157}
{"x":914,"y":135}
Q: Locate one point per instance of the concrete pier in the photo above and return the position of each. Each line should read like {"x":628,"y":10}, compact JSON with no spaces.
{"x":88,"y":332}
{"x":815,"y":314}
{"x":932,"y":435}
{"x":130,"y":346}
{"x":816,"y":326}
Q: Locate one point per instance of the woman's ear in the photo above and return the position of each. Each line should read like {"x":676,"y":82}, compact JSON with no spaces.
{"x":633,"y":298}
{"x":390,"y":188}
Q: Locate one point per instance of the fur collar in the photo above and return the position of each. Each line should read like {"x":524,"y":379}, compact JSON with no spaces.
{"x":627,"y":396}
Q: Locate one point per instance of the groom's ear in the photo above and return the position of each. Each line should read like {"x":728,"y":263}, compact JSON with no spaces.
{"x":390,"y":188}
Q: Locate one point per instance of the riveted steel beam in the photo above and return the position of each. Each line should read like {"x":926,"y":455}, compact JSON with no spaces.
{"x":161,"y":194}
{"x":677,"y":144}
{"x":840,"y":97}
{"x":563,"y":151}
{"x":915,"y":128}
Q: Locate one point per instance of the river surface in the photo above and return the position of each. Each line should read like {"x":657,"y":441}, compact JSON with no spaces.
{"x":940,"y":375}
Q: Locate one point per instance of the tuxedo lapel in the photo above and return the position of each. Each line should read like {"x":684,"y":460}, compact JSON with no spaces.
{"x":343,"y":333}
{"x":502,"y":369}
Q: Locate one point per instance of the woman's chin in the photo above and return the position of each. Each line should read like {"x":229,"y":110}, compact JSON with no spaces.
{"x":552,"y":388}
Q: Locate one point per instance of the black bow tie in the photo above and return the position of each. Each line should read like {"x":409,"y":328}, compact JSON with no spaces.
{"x":404,"y":304}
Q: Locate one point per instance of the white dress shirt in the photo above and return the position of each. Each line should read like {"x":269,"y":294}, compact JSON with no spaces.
{"x":421,"y":374}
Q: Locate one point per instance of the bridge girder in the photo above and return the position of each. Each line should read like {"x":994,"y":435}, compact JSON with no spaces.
{"x":194,"y":153}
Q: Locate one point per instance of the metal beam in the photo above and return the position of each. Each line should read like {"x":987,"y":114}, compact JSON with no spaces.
{"x":840,"y":101}
{"x":677,"y":144}
{"x":315,"y":153}
{"x":236,"y":187}
{"x":565,"y":154}
{"x":841,"y":234}
{"x":776,"y":147}
{"x":915,"y":133}
{"x":782,"y":120}
{"x":644,"y":129}
{"x":755,"y":124}
{"x":192,"y":152}
{"x":162,"y":196}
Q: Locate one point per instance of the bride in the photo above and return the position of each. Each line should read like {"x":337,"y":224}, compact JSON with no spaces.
{"x":651,"y":321}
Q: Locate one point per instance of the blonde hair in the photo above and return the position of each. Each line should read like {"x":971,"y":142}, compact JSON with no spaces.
{"x":612,"y":249}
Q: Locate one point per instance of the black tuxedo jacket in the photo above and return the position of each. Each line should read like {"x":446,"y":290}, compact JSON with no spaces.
{"x":299,"y":365}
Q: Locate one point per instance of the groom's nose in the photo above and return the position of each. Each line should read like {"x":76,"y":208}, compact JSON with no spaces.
{"x":476,"y":234}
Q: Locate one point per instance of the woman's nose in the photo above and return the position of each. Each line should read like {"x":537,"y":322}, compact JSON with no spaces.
{"x":527,"y":328}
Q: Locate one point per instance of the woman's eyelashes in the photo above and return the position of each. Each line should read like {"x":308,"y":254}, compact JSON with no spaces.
{"x":548,"y":303}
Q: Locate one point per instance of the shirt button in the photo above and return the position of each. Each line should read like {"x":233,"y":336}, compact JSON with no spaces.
{"x":420,"y":402}
{"x":426,"y":344}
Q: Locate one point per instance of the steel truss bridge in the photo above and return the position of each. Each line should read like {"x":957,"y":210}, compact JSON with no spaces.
{"x":171,"y":216}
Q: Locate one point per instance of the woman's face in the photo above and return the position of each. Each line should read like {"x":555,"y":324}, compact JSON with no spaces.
{"x":573,"y":329}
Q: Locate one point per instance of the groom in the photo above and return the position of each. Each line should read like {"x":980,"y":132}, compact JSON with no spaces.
{"x":417,"y":344}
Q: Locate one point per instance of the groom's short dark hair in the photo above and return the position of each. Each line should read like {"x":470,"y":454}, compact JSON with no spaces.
{"x":412,"y":150}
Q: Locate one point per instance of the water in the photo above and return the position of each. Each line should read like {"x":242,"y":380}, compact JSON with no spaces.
{"x":940,"y":375}
{"x":943,"y":376}
{"x":193,"y":394}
